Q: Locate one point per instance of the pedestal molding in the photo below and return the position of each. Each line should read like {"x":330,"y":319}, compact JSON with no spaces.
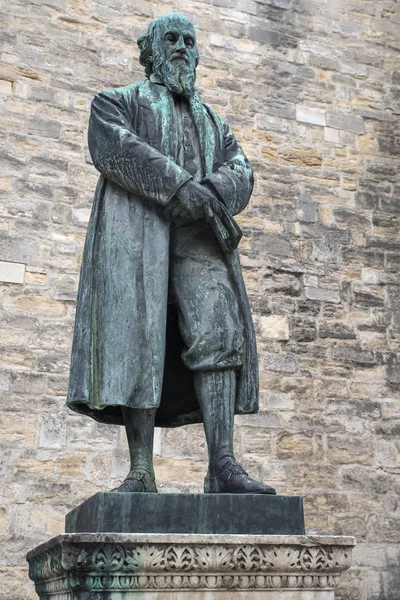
{"x":123,"y":562}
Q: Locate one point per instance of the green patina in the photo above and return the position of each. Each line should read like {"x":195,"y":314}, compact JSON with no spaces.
{"x":131,"y":364}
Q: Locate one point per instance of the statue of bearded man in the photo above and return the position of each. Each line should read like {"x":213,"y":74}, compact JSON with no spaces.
{"x":163,"y":333}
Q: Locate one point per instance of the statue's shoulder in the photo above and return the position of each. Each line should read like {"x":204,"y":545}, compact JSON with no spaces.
{"x":210,"y":110}
{"x":140,"y":92}
{"x":124,"y":92}
{"x":218,"y":120}
{"x":219,"y":123}
{"x":124,"y":98}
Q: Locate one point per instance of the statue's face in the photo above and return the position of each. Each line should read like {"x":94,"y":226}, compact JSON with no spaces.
{"x":178,"y":42}
{"x":175,"y":54}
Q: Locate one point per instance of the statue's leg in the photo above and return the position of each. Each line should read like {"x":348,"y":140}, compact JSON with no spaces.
{"x":139,"y":425}
{"x":216,"y":392}
{"x":210,"y":325}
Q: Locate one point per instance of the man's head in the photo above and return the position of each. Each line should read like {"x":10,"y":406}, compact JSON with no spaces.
{"x":168,"y":50}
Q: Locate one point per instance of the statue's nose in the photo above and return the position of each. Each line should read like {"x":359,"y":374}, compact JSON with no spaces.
{"x":180,"y":44}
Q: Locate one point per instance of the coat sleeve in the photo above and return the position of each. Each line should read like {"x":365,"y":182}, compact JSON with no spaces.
{"x":233,"y":181}
{"x":125,"y":158}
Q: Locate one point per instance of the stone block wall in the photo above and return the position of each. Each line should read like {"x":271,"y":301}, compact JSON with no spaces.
{"x":310,"y":88}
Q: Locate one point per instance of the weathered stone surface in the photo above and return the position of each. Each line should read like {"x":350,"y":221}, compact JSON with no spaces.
{"x":323,"y":294}
{"x":324,"y":206}
{"x":274,"y":327}
{"x":307,"y":211}
{"x":307,"y":114}
{"x":283,"y":363}
{"x":122,"y":566}
{"x":331,"y":135}
{"x":12,"y":272}
{"x":339,"y":120}
{"x":353,"y":354}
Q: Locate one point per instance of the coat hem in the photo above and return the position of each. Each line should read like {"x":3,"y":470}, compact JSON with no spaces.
{"x":112,"y":415}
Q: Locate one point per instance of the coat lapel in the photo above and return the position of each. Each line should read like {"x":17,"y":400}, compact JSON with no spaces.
{"x":162,"y":119}
{"x":206,"y":132}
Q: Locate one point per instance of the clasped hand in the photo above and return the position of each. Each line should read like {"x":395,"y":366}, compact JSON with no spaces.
{"x":191,"y":202}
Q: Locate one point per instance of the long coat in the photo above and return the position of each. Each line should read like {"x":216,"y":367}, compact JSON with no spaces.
{"x":124,"y":335}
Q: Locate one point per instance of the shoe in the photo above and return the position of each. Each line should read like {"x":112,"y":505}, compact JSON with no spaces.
{"x":233,"y":479}
{"x":137,"y":481}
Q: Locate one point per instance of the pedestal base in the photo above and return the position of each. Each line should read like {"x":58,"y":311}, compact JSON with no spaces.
{"x":189,"y":567}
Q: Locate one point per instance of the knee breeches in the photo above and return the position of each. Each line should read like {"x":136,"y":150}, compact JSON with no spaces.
{"x":201,"y":287}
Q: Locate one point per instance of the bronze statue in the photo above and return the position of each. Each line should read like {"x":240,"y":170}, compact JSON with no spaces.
{"x":163,"y":332}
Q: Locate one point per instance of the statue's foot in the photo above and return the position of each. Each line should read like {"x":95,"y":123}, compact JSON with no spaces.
{"x":137,"y":481}
{"x":233,"y":479}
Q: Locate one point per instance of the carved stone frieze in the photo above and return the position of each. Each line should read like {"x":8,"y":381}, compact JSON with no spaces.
{"x":102,"y":563}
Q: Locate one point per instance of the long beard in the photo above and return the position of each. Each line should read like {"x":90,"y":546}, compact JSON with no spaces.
{"x":178,"y":78}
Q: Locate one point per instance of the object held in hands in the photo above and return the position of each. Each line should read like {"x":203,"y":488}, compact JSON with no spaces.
{"x":224,"y":226}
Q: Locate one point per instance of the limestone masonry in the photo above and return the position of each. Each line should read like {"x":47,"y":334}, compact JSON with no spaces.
{"x":321,"y":257}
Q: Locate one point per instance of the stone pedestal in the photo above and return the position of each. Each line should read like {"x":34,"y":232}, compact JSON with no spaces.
{"x":121,"y":566}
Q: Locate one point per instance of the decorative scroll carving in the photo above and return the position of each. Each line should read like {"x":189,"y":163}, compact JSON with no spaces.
{"x":98,"y":566}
